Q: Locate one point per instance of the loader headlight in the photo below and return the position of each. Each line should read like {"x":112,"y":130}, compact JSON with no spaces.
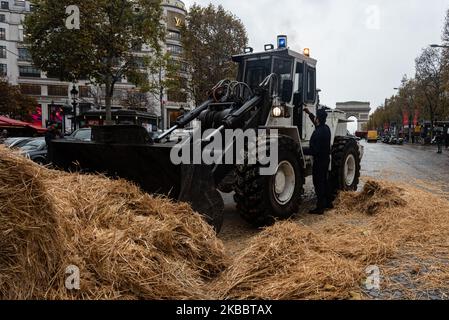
{"x":278,"y":112}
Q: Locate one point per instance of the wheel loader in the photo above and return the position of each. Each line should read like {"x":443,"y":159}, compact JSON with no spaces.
{"x":269,"y":96}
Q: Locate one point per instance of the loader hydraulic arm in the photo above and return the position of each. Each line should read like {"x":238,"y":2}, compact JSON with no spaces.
{"x":216,"y":93}
{"x":223,"y":92}
{"x":236,"y":118}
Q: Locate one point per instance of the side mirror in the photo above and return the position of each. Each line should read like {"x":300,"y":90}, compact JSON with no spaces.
{"x":287,"y":90}
{"x":298,"y":99}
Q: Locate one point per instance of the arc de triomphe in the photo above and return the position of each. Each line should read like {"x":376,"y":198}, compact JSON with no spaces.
{"x":357,"y":109}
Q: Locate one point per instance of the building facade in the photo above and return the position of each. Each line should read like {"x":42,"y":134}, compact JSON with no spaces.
{"x":175,"y":102}
{"x":53,"y":96}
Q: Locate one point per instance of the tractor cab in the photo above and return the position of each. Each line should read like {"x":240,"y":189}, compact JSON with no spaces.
{"x":293,"y":89}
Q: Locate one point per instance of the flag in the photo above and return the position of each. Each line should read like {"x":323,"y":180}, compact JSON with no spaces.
{"x":406,"y":117}
{"x":416,"y":119}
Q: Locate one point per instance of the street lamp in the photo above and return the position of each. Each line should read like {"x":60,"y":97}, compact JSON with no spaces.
{"x":74,"y":93}
{"x":161,"y":99}
{"x":439,"y":46}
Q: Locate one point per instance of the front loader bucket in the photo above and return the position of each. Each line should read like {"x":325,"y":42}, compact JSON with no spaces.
{"x":147,"y":165}
{"x":198,"y":188}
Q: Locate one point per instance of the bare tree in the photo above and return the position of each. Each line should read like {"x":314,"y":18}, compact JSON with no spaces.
{"x":430,"y":81}
{"x":137,"y":100}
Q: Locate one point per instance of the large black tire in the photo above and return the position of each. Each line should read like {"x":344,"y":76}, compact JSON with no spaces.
{"x":345,"y":152}
{"x":228,"y":183}
{"x":255,"y":195}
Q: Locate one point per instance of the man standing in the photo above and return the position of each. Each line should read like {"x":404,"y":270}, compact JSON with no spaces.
{"x":446,"y":137}
{"x":439,"y":140}
{"x":50,"y":135}
{"x":320,"y":149}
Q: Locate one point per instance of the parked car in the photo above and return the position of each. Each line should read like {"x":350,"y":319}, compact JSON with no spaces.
{"x":17,"y":142}
{"x":36,"y":150}
{"x":155,"y":134}
{"x":8,"y":141}
{"x":84,"y":134}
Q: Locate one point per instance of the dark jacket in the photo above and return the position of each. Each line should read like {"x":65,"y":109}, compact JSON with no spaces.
{"x":320,"y":142}
{"x":49,"y":136}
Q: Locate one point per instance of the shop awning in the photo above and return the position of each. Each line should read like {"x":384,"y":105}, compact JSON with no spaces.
{"x":11,"y":123}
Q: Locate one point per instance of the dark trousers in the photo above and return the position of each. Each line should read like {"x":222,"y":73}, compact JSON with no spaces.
{"x":320,"y":173}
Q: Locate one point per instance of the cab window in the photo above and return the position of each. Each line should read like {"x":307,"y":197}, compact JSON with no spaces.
{"x":257,"y":71}
{"x":283,"y":68}
{"x":299,"y":78}
{"x":311,"y":85}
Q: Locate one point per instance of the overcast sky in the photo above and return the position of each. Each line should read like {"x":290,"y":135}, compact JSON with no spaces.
{"x":363,"y":47}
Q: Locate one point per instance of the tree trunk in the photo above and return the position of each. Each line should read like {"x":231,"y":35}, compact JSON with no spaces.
{"x":410,"y":137}
{"x":108,"y":101}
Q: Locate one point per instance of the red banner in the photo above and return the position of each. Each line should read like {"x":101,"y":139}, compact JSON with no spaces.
{"x":406,"y":118}
{"x":416,"y":119}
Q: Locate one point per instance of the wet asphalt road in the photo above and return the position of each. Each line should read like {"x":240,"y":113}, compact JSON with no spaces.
{"x":416,"y":164}
{"x":406,"y":163}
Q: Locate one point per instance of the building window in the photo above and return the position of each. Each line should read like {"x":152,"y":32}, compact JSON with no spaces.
{"x":174,"y":35}
{"x":2,"y":18}
{"x":179,"y":65}
{"x":5,"y":5}
{"x":2,"y":52}
{"x":119,"y":94}
{"x":139,"y":62}
{"x":53,"y":75}
{"x":58,"y":91}
{"x":174,"y":49}
{"x":2,"y":34}
{"x":31,"y":89}
{"x":84,"y":91}
{"x":176,"y":96}
{"x":137,"y":47}
{"x":24,"y":54}
{"x":3,"y":70}
{"x":173,"y":116}
{"x":29,"y":71}
{"x":184,"y":67}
